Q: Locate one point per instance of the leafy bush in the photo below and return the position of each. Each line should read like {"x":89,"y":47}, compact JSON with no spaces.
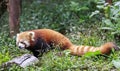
{"x":58,"y":15}
{"x":111,"y":16}
{"x":4,"y":57}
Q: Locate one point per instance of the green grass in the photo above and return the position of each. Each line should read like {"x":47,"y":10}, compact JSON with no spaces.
{"x":81,"y":31}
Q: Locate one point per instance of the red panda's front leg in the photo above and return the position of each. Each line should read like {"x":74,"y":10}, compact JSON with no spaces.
{"x":40,"y":46}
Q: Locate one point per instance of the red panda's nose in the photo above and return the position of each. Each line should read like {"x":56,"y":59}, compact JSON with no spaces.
{"x":20,"y":47}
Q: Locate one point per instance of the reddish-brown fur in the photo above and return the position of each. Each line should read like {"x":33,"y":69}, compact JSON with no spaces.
{"x":56,"y":38}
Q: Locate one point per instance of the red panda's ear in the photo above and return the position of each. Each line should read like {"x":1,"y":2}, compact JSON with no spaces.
{"x":32,"y":35}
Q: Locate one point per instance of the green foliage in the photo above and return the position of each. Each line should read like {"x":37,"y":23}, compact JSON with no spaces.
{"x":83,"y":27}
{"x":90,"y":54}
{"x":4,"y":57}
{"x":58,"y":15}
{"x":116,"y":63}
{"x":111,"y":16}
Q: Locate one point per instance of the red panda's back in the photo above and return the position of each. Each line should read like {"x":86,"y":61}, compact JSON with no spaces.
{"x":52,"y":36}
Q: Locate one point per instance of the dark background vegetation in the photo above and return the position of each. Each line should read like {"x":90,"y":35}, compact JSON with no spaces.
{"x":85,"y":22}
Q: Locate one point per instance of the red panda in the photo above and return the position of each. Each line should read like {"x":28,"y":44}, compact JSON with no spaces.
{"x":42,"y":39}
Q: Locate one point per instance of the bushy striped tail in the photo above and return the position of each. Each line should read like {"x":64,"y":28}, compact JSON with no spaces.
{"x":104,"y":49}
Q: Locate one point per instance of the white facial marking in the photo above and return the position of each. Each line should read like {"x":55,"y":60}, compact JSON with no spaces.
{"x":22,"y":46}
{"x":18,"y":34}
{"x":17,"y":38}
{"x":27,"y":43}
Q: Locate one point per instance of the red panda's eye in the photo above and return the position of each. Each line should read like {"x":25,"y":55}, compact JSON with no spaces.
{"x":22,"y":42}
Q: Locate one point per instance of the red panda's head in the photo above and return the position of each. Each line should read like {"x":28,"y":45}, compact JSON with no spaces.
{"x":23,"y":40}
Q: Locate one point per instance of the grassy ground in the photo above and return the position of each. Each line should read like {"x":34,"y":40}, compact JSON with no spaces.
{"x":58,"y":60}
